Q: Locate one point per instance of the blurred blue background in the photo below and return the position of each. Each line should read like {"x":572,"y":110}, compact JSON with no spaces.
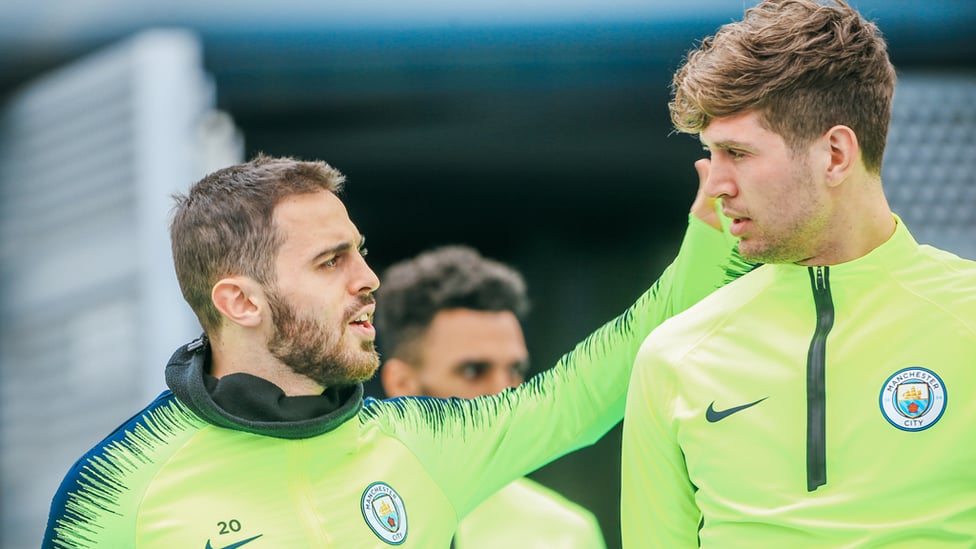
{"x":535,"y":130}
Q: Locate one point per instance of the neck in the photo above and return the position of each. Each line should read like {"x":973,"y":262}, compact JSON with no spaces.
{"x":860,"y":221}
{"x":233,"y":353}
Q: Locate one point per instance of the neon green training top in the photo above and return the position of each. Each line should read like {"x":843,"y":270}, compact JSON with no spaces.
{"x":527,"y":515}
{"x":231,"y":463}
{"x":810,"y":407}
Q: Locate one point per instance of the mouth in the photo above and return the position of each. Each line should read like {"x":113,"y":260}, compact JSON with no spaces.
{"x":364,"y":319}
{"x":364,"y":324}
{"x":739,"y":224}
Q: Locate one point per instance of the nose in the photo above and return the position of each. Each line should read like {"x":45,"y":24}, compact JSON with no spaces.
{"x":365,"y":279}
{"x":499,"y":379}
{"x":506,"y":377}
{"x":719,"y":181}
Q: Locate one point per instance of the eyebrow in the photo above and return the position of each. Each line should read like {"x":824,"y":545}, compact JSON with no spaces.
{"x":522,"y":366}
{"x":464,"y":363}
{"x":335,"y":250}
{"x":338,"y":249}
{"x":726,"y":144}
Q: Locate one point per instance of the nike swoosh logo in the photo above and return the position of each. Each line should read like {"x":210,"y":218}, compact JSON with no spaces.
{"x":713,"y":415}
{"x":234,"y":545}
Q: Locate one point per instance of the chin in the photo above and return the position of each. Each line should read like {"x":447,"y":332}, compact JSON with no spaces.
{"x":365,"y":365}
{"x":751,"y":253}
{"x":758,"y":251}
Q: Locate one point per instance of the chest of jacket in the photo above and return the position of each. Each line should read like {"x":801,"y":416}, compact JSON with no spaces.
{"x":348,"y":488}
{"x":858,"y":391}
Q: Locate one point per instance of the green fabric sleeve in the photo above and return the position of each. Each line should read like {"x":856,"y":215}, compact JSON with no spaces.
{"x":474,"y":447}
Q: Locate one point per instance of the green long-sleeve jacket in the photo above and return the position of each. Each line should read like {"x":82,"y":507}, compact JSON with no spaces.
{"x":810,"y":407}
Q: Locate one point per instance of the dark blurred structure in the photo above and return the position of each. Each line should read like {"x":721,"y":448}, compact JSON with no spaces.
{"x":538,"y":135}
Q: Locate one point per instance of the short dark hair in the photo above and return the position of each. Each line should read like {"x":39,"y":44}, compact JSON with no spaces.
{"x":224,"y":224}
{"x":804,"y":65}
{"x":414,"y":290}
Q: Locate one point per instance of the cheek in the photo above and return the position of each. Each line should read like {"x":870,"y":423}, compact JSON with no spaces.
{"x":471,"y":388}
{"x":441,"y":384}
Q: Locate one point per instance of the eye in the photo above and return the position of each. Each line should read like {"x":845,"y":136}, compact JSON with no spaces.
{"x":473,"y":370}
{"x":521,"y":369}
{"x":330,"y":263}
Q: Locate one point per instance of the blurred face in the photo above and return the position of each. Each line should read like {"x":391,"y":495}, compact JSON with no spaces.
{"x":322,"y":303}
{"x":779,"y":207}
{"x":469,"y":353}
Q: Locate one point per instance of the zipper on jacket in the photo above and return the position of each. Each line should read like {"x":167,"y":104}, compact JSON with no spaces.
{"x":816,"y":363}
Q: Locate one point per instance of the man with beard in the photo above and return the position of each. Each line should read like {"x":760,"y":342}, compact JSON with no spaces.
{"x":263,"y":438}
{"x":451,"y":325}
{"x":806,"y":404}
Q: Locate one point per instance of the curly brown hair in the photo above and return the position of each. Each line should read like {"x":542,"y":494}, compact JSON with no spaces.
{"x":803,"y":65}
{"x":224,"y":225}
{"x":415,"y":290}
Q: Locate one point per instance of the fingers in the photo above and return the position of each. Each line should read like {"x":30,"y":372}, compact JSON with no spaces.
{"x":701,"y":166}
{"x":704,"y":207}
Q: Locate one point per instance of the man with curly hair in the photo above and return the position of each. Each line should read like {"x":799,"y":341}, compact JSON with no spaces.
{"x":450,"y":326}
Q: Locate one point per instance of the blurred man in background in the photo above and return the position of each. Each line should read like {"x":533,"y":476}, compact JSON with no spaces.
{"x":450,"y":321}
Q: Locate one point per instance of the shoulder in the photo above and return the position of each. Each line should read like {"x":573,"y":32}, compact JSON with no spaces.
{"x":112,"y":477}
{"x":428,"y":415}
{"x":150,"y":430}
{"x":409,"y":410}
{"x":940,"y":264}
{"x":944,"y":280}
{"x":545,"y":500}
{"x":535,"y":515}
{"x":682,"y":332}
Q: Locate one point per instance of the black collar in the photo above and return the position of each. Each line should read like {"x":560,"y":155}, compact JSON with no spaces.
{"x":248,"y":403}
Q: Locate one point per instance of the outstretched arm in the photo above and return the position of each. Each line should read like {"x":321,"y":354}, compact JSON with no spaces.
{"x":473,"y":447}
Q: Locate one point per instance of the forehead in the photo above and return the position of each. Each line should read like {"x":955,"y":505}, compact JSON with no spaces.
{"x":741,"y":129}
{"x":466,"y":334}
{"x":313,"y":220}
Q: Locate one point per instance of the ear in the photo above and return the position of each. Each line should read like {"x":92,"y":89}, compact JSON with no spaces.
{"x":844,"y":153}
{"x":399,"y":378}
{"x":239,"y":299}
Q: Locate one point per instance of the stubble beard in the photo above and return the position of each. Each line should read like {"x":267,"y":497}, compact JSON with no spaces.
{"x":792,"y":240}
{"x":316,"y":352}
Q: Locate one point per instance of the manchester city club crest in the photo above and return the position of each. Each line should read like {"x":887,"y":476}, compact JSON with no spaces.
{"x":384,"y":513}
{"x":913,"y":399}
